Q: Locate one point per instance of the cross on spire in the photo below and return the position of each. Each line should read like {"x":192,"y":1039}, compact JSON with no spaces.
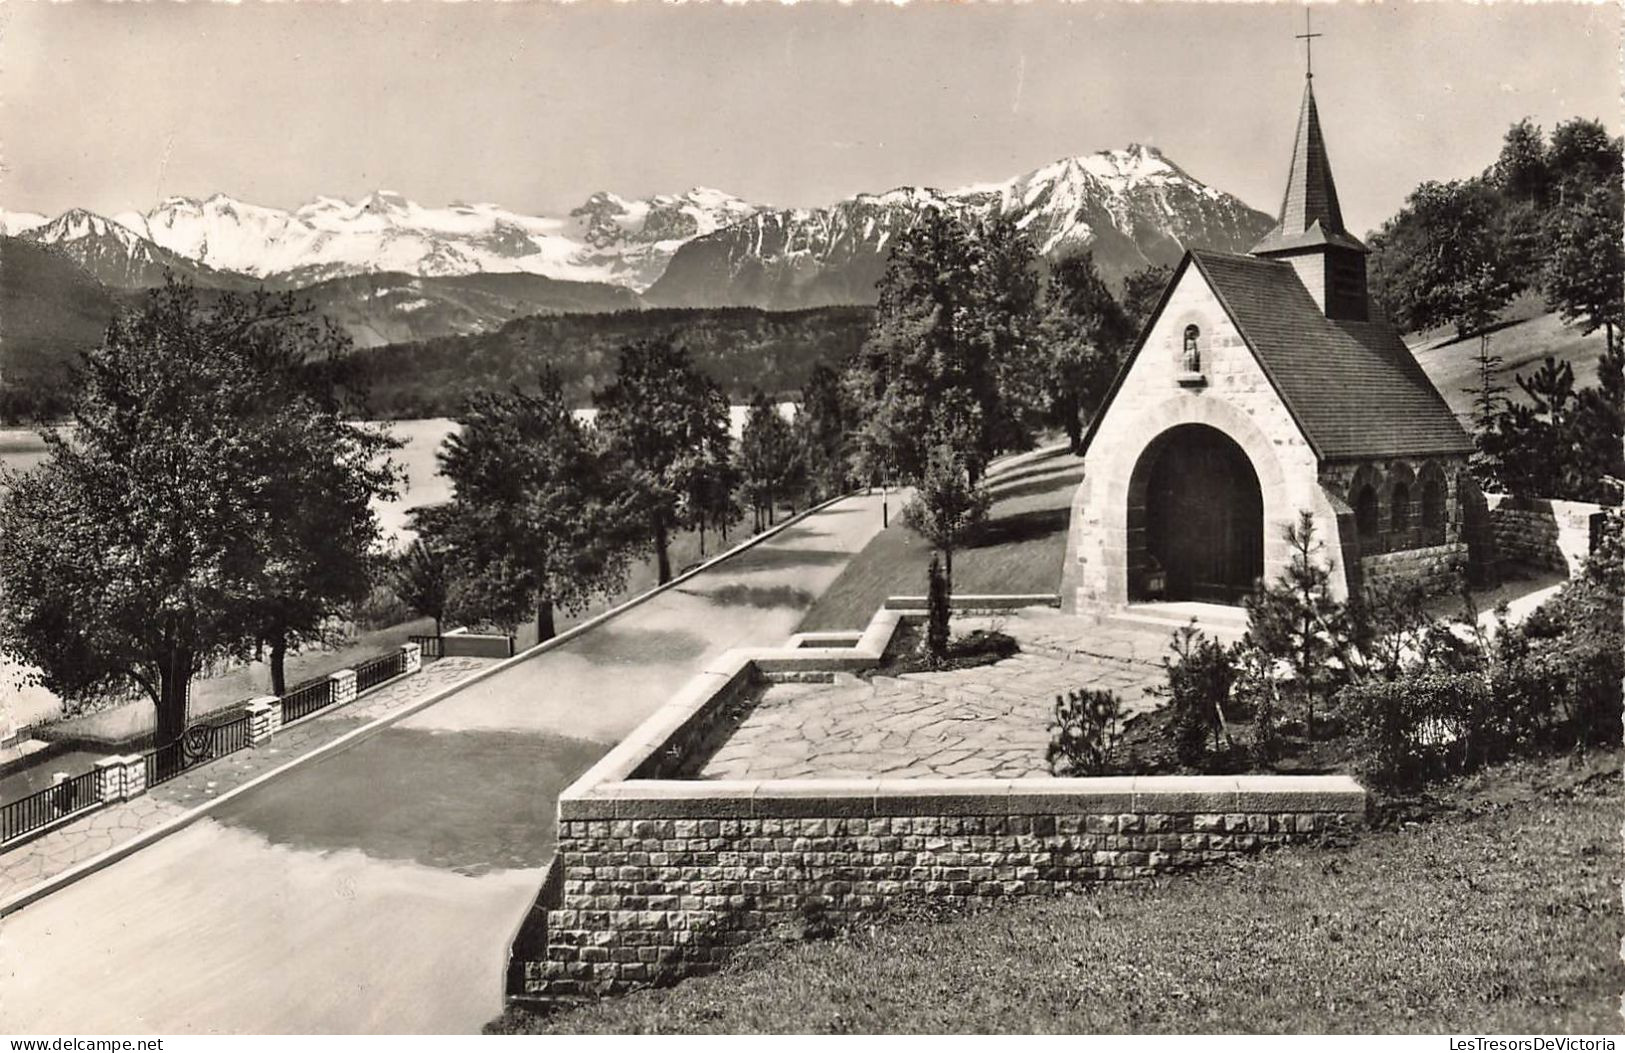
{"x":1308,"y":37}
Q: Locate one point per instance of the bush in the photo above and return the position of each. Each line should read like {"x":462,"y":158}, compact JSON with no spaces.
{"x":1259,"y":697}
{"x":1424,"y":727}
{"x":1084,"y":732}
{"x":1199,"y":683}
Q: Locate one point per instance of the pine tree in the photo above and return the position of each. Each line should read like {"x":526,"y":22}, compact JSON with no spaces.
{"x":1296,"y":620}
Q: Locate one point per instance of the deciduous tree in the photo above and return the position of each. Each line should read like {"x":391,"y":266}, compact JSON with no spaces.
{"x":157,"y":535}
{"x":653,"y":415}
{"x":540,"y":518}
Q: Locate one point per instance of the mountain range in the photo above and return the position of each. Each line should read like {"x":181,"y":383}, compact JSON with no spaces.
{"x":390,"y":270}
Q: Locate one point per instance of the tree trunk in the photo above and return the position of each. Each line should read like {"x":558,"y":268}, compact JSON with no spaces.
{"x":662,"y":557}
{"x":1074,"y":431}
{"x":279,"y":656}
{"x":702,"y":537}
{"x":544,"y":620}
{"x":948,"y":570}
{"x":174,"y":677}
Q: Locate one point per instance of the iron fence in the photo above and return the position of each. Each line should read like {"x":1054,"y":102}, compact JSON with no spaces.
{"x":46,"y":806}
{"x":306,"y":699}
{"x":429,"y":646}
{"x":385,"y":667}
{"x":198,"y":744}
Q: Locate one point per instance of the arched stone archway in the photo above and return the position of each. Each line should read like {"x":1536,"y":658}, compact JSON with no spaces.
{"x":1195,"y":519}
{"x":1096,"y":577}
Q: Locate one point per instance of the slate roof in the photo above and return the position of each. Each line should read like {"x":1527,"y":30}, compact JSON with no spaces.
{"x":1354,"y":388}
{"x":1310,"y":215}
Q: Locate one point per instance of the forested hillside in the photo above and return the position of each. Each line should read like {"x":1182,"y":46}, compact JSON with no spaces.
{"x":740,"y":348}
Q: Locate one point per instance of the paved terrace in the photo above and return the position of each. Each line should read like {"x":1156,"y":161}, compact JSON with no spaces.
{"x":987,"y":722}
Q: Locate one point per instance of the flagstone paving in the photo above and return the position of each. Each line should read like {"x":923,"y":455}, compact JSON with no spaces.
{"x":988,"y":722}
{"x":96,"y":832}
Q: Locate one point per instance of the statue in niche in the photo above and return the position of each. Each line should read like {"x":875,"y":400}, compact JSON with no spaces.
{"x":1191,"y":360}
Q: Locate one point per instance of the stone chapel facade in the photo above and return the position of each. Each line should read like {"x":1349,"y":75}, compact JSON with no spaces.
{"x":1264,"y":385}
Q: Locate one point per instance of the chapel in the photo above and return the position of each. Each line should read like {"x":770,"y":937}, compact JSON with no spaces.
{"x":1264,"y":385}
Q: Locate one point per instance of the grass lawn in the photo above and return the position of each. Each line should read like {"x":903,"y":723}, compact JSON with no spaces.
{"x":1496,"y":913}
{"x":1019,"y":549}
{"x":1525,"y":337}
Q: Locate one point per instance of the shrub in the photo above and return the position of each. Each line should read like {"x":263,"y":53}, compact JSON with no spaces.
{"x":1427,"y":726}
{"x":1199,"y":683}
{"x":1084,"y":732}
{"x":1259,"y":694}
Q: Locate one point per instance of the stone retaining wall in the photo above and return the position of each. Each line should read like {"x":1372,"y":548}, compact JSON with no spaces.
{"x":659,"y":882}
{"x":1542,"y":533}
{"x":658,"y":877}
{"x":1437,"y":568}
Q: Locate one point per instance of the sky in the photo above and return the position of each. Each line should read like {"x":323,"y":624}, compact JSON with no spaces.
{"x":533,"y":105}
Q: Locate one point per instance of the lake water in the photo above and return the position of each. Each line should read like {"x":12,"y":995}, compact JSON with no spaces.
{"x":22,"y":449}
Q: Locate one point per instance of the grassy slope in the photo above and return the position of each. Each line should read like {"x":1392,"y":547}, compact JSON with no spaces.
{"x":1528,"y":337}
{"x":1019,"y":550}
{"x":1501,"y":915}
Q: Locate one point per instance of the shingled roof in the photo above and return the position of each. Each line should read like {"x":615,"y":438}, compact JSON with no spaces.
{"x":1310,"y":215}
{"x":1354,"y":388}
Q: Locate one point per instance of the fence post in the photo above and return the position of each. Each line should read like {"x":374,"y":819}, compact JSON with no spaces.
{"x":412,"y":657}
{"x":110,"y":779}
{"x":343,"y":686}
{"x":135,"y":775}
{"x":264,"y":718}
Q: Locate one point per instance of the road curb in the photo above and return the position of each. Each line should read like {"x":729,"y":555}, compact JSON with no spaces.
{"x":350,"y":738}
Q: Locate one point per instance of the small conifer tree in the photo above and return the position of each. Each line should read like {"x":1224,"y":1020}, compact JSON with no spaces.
{"x":936,"y":612}
{"x":1296,"y":620}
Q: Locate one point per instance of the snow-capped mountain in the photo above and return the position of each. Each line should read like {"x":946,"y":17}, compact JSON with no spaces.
{"x":1130,"y":207}
{"x":15,"y":223}
{"x":607,"y":239}
{"x":115,"y":255}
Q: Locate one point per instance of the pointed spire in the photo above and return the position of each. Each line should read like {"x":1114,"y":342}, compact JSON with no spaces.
{"x":1309,"y":212}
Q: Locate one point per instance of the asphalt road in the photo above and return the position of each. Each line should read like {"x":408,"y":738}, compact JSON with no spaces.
{"x":375,"y":890}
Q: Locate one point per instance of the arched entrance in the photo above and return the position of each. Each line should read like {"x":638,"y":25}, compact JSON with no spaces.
{"x":1195,"y":519}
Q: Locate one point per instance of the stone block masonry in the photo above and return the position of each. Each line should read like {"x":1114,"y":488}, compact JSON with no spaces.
{"x":1437,"y":569}
{"x":659,"y":876}
{"x":343,"y":686}
{"x":1556,"y":535}
{"x":667,"y":884}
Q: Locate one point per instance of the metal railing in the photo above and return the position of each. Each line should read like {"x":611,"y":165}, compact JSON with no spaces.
{"x":385,"y":667}
{"x":198,"y":744}
{"x":306,"y":699}
{"x":428,"y":646}
{"x":44,"y":807}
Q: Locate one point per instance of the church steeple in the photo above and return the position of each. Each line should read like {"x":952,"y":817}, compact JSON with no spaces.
{"x":1309,"y":233}
{"x":1310,"y":214}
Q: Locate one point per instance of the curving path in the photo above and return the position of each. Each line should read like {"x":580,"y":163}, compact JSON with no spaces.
{"x":375,"y":890}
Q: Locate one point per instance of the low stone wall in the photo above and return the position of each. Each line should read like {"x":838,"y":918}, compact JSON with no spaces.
{"x":460,"y":643}
{"x":1537,"y":532}
{"x":664,"y":880}
{"x":658,"y":877}
{"x":1436,"y":568}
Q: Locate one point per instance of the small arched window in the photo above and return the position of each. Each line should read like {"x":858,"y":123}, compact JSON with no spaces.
{"x":1191,"y":360}
{"x":1399,"y":515}
{"x":1365,"y":511}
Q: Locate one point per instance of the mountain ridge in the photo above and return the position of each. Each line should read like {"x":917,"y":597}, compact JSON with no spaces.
{"x":1131,"y":207}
